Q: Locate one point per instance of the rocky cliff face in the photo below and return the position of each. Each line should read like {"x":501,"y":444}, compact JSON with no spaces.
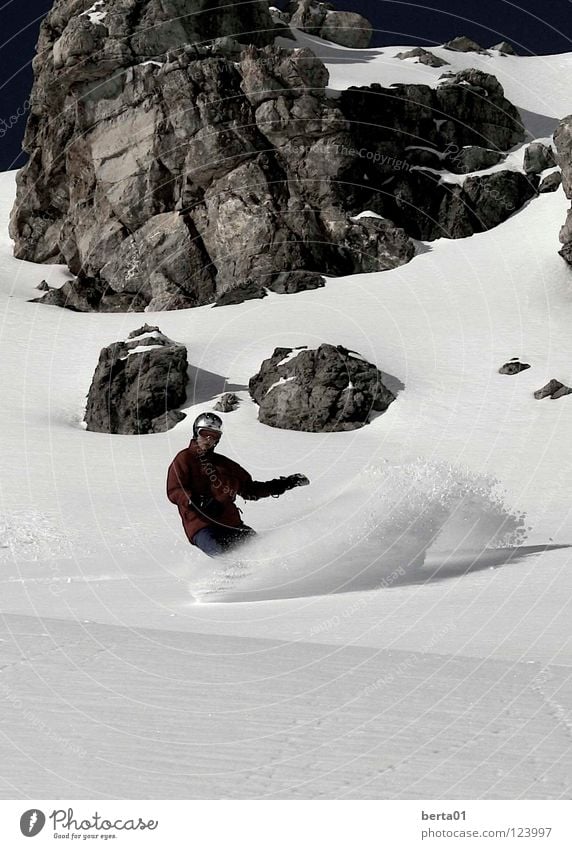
{"x":179,"y":158}
{"x":173,"y":167}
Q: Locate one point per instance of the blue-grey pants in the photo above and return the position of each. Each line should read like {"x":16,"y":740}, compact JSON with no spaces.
{"x":216,"y":539}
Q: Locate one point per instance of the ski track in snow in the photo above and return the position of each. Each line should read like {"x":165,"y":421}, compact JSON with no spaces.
{"x":379,"y":533}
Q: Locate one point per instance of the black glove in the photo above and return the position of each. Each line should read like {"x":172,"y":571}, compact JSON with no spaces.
{"x":292,"y":481}
{"x":207,"y":505}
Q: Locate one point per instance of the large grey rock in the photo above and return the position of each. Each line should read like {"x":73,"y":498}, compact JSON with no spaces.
{"x":90,"y":295}
{"x":188,"y":166}
{"x":289,"y":282}
{"x":495,"y":197}
{"x":478,"y":111}
{"x":537,"y":158}
{"x":563,"y":142}
{"x":467,"y":108}
{"x":175,"y":181}
{"x":346,"y":28}
{"x":138,"y":384}
{"x":550,"y":183}
{"x":463,"y":44}
{"x":505,"y":48}
{"x":553,"y":389}
{"x":247,"y":291}
{"x":308,"y":15}
{"x":425,"y":57}
{"x":466,"y":118}
{"x":227,"y":403}
{"x":327,"y":389}
{"x":513,"y":367}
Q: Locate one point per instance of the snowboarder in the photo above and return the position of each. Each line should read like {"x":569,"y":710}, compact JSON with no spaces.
{"x":204,"y":486}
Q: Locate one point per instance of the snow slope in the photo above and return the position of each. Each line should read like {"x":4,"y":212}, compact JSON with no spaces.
{"x":401,"y":627}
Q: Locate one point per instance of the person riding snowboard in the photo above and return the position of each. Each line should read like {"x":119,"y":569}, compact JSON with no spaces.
{"x":204,"y":486}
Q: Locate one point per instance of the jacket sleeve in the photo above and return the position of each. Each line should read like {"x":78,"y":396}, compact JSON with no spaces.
{"x":179,"y":482}
{"x":252,"y":490}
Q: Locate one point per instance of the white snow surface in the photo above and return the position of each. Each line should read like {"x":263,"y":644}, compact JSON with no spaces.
{"x":400,"y":628}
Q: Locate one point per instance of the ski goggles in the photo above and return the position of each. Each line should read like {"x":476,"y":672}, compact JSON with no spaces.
{"x":209,"y":434}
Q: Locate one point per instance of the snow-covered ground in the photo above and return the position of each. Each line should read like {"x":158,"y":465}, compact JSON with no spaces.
{"x":401,"y":629}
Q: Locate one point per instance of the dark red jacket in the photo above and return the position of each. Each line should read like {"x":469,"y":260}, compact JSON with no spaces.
{"x":192,"y":477}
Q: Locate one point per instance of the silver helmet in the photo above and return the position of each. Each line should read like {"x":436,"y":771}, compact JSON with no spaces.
{"x":208,"y":420}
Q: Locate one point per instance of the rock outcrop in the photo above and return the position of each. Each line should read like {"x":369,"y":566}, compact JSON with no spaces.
{"x":505,"y":48}
{"x":553,"y":389}
{"x":424,"y":57}
{"x":563,"y":142}
{"x":227,"y":403}
{"x":179,"y":171}
{"x":138,"y":385}
{"x":467,"y":111}
{"x":550,"y":183}
{"x":326,"y":389}
{"x":194,"y":162}
{"x":537,"y":158}
{"x":514,"y":366}
{"x":463,"y":44}
{"x":322,"y":19}
{"x":296,"y":281}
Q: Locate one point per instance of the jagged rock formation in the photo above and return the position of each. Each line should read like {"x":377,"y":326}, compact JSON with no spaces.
{"x":505,"y":48}
{"x":553,"y":389}
{"x":425,"y":57}
{"x":327,"y":389}
{"x":138,"y":384}
{"x":466,"y":110}
{"x":463,"y":44}
{"x":181,"y":174}
{"x":87,"y":294}
{"x":514,"y":366}
{"x":296,"y":281}
{"x":172,"y":179}
{"x":346,"y":28}
{"x":563,"y":142}
{"x":551,"y":183}
{"x":227,"y":403}
{"x":285,"y":283}
{"x":537,"y":158}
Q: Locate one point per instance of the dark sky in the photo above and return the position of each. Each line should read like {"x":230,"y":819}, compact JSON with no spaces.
{"x":532,"y":26}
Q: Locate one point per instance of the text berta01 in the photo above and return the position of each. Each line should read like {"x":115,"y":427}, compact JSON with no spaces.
{"x":65,"y":819}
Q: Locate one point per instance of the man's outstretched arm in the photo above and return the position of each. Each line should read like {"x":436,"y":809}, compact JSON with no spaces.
{"x":252,"y":490}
